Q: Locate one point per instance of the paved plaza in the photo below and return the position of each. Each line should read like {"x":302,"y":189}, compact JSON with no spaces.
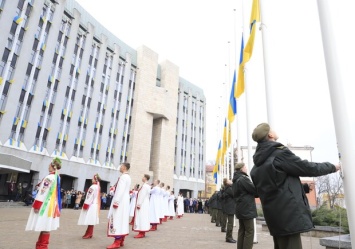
{"x":192,"y":231}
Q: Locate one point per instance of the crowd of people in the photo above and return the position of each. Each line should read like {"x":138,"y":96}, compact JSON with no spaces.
{"x":144,"y":207}
{"x":274,"y":179}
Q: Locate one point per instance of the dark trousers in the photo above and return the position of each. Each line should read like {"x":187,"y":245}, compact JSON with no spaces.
{"x":214,"y":215}
{"x":288,"y":242}
{"x":230,"y":221}
{"x":219,"y":217}
{"x":223,"y":221}
{"x":246,"y":234}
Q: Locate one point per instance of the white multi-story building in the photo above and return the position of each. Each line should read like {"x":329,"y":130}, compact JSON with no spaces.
{"x":71,"y":89}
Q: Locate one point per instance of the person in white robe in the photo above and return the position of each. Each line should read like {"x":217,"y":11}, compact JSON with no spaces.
{"x":141,"y":214}
{"x":161,"y":200}
{"x":132,"y":204}
{"x":171,"y":208}
{"x":154,"y":202}
{"x":118,"y":215}
{"x":45,"y":211}
{"x":166,"y":203}
{"x":89,"y":215}
{"x":180,"y":206}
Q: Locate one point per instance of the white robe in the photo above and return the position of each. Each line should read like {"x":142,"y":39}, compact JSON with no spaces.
{"x":161,"y":203}
{"x":90,"y":216}
{"x":154,"y":203}
{"x":36,"y":221}
{"x":118,"y":218}
{"x":180,"y":207}
{"x":171,"y":205}
{"x":166,"y":202}
{"x":141,"y":216}
{"x":132,"y":204}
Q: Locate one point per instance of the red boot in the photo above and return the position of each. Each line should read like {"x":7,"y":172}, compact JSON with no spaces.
{"x":160,"y":221}
{"x":171,"y":218}
{"x":115,"y":244}
{"x":132,"y":221}
{"x":43,"y":241}
{"x":89,"y":232}
{"x":122,"y":240}
{"x":154,"y":227}
{"x":140,"y":235}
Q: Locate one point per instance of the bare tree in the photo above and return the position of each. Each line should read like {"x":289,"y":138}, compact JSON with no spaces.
{"x":331,"y":186}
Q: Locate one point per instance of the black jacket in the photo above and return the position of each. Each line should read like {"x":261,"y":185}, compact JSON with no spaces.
{"x":228,"y":200}
{"x":276,"y":177}
{"x":244,"y":195}
{"x":212,"y":203}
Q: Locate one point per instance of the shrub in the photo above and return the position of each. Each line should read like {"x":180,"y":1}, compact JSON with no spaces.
{"x":336,"y":217}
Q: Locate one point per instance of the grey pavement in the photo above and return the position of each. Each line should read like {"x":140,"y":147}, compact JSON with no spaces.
{"x":192,"y":231}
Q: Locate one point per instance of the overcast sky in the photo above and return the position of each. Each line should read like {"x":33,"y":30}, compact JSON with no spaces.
{"x":203,"y":39}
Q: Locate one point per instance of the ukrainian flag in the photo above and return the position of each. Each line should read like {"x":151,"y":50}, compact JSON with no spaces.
{"x":232,"y":107}
{"x":216,"y":166}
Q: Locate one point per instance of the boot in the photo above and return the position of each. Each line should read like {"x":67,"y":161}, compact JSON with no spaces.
{"x":115,"y":244}
{"x":132,"y":221}
{"x":171,"y":218}
{"x":160,"y":221}
{"x":43,"y":241}
{"x":89,"y":232}
{"x":153,"y":228}
{"x":122,"y":240}
{"x":140,"y":235}
{"x":165,"y":219}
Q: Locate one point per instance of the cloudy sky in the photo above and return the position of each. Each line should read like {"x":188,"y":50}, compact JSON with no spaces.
{"x":203,"y":39}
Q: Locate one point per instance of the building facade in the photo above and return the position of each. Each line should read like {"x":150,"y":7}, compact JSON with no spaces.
{"x":71,"y":89}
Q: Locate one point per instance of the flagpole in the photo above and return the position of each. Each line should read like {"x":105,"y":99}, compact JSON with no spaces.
{"x":248,"y":115}
{"x":269,"y":82}
{"x":343,"y":116}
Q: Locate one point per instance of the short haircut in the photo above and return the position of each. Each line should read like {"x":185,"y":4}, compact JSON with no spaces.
{"x":146,"y":176}
{"x":168,"y":187}
{"x":127,"y":165}
{"x":158,"y":181}
{"x":162,"y":184}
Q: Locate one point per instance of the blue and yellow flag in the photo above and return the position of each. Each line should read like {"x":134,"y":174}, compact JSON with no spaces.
{"x":240,"y":85}
{"x":254,"y":17}
{"x":232,"y":107}
{"x":216,"y":166}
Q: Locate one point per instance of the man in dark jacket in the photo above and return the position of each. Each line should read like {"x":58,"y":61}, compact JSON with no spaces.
{"x":244,"y":195}
{"x":213,"y":207}
{"x":228,"y":209}
{"x":276,"y":175}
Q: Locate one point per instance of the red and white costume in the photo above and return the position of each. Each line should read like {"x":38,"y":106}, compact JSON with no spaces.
{"x":180,"y":206}
{"x":90,"y":212}
{"x":47,"y":219}
{"x":132,"y":204}
{"x":118,"y":218}
{"x":171,"y":205}
{"x":141,"y":215}
{"x":154,"y":202}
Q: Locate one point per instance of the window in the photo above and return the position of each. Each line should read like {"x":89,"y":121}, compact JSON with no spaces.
{"x":5,"y":56}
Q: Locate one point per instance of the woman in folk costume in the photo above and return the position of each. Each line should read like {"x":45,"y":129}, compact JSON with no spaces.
{"x":180,"y":206}
{"x":90,"y":212}
{"x":118,"y":216}
{"x":141,"y":214}
{"x":45,"y":212}
{"x":171,"y":208}
{"x":132,"y":204}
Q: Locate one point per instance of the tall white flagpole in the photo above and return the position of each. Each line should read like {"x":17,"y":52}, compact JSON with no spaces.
{"x":248,"y":115}
{"x":343,"y":115}
{"x":269,"y":82}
